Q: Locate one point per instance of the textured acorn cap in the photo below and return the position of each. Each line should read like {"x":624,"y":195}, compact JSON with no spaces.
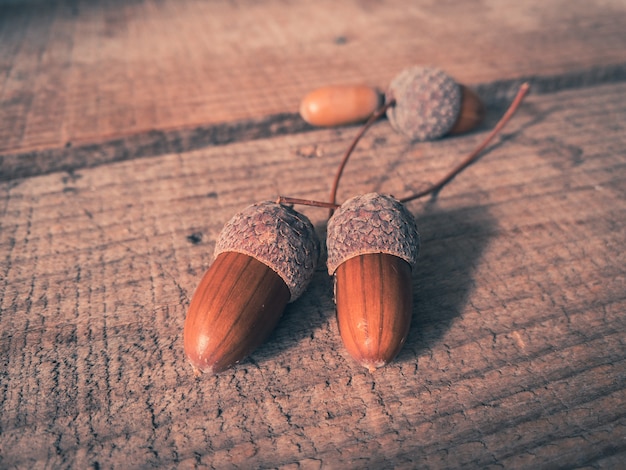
{"x":371,"y":223}
{"x":428,"y":103}
{"x":278,"y":237}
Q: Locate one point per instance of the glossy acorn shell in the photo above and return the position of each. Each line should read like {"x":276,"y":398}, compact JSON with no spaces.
{"x":235,"y":308}
{"x":373,"y":293}
{"x":337,"y":105}
{"x":471,"y":114}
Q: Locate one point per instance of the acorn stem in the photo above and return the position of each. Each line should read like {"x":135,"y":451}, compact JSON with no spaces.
{"x":473,"y":156}
{"x":372,"y":119}
{"x":305,"y":202}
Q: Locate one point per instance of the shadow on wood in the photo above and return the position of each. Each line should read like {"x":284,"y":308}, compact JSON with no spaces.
{"x":452,"y":243}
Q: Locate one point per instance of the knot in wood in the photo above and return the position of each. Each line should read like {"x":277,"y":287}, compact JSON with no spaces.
{"x":279,"y":237}
{"x":428,"y":103}
{"x":371,"y":223}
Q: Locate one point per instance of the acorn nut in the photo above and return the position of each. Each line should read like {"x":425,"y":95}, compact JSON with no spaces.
{"x":264,"y":258}
{"x":373,"y":244}
{"x":337,"y":105}
{"x":430,"y":104}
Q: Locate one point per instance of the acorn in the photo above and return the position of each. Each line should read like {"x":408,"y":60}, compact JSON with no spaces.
{"x":373,"y":244}
{"x":265,"y":257}
{"x":337,"y":105}
{"x":429,"y":104}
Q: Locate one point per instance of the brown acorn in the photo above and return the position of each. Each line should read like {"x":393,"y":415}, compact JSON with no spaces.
{"x":337,"y":105}
{"x":373,"y":243}
{"x":264,"y":258}
{"x":430,"y":104}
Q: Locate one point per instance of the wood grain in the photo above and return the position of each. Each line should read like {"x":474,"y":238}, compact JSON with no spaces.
{"x":515,"y":357}
{"x":82,"y":72}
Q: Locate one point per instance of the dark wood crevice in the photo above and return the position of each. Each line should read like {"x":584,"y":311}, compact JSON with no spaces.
{"x":75,"y":156}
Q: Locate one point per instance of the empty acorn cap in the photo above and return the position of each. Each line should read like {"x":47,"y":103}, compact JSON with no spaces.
{"x":428,"y":103}
{"x":371,"y":223}
{"x":277,"y":236}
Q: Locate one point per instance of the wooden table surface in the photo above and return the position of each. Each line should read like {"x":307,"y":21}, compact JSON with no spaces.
{"x":130,"y":132}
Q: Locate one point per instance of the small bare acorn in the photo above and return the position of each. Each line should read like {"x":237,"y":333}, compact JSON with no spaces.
{"x":430,"y":104}
{"x":373,"y":245}
{"x":337,"y":105}
{"x":264,"y":258}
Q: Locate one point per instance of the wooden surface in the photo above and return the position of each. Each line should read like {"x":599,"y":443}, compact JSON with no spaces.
{"x":96,"y":81}
{"x":516,"y":356}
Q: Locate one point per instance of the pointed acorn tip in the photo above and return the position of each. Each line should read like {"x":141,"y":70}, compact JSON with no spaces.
{"x":199,"y":369}
{"x":371,"y":366}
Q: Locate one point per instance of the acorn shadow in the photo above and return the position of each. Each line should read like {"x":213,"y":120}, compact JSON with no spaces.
{"x":303,"y":319}
{"x":452,"y":243}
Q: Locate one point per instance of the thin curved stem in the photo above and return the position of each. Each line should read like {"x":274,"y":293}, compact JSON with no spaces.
{"x":372,"y":119}
{"x":306,"y":202}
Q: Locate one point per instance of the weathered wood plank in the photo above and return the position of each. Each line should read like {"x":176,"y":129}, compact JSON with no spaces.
{"x":516,"y":354}
{"x":84,"y":71}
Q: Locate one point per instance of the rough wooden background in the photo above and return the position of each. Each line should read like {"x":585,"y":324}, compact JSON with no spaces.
{"x":516,"y":356}
{"x":91,"y":81}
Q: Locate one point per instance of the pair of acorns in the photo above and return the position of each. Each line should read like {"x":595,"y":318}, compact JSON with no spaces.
{"x":426,"y":104}
{"x":267,"y":254}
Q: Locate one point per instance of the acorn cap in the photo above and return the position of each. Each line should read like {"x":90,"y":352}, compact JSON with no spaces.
{"x":428,"y":103}
{"x":371,"y":223}
{"x":278,"y":237}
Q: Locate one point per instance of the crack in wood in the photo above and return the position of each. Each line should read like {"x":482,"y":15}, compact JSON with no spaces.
{"x":75,"y":156}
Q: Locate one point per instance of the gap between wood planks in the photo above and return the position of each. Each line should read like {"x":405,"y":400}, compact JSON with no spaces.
{"x":75,"y":156}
